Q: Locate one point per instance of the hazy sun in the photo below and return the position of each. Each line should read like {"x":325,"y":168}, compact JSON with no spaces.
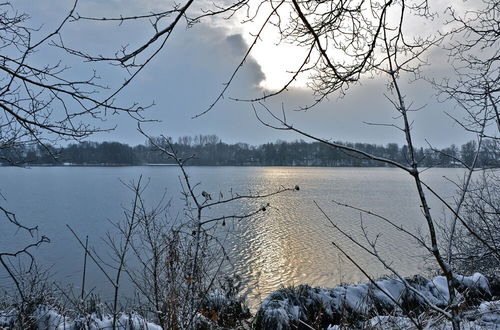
{"x":278,"y":60}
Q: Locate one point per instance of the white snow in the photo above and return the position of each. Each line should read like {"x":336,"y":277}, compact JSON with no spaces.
{"x":486,"y":316}
{"x":489,"y":312}
{"x":477,"y":280}
{"x":289,"y":305}
{"x":46,"y":318}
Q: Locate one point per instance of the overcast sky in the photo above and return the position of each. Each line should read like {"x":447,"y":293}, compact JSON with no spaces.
{"x":187,"y":75}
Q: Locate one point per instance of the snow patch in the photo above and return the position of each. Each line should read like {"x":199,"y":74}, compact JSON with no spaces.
{"x":289,"y":307}
{"x":47,"y":318}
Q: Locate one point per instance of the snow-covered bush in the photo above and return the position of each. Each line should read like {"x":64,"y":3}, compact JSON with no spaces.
{"x":50,"y":318}
{"x":224,"y":307}
{"x":354,"y":305}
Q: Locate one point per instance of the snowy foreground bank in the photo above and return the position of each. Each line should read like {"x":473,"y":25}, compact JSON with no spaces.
{"x":384,"y":304}
{"x":50,"y":319}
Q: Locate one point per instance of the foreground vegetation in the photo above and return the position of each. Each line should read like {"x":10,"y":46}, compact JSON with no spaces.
{"x":382,"y":304}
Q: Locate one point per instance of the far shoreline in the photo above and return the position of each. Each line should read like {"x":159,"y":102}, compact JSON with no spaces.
{"x":209,"y":165}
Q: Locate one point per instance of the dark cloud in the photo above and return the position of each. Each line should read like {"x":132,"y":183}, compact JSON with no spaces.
{"x":251,"y":67}
{"x":237,"y":44}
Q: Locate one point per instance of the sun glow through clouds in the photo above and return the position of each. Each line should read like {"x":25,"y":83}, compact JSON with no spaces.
{"x":277,"y":58}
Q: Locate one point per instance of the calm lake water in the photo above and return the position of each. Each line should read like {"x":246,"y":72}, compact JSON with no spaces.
{"x":288,"y":245}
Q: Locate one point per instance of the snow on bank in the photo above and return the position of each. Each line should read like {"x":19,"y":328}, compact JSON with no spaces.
{"x":46,"y":318}
{"x":351,"y":304}
{"x":485,"y":316}
{"x":383,"y":305}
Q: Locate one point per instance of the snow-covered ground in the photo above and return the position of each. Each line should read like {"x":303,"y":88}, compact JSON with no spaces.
{"x":384,"y":304}
{"x":485,"y":316}
{"x":46,"y":318}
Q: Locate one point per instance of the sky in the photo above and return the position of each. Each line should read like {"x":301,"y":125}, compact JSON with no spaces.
{"x":190,"y":71}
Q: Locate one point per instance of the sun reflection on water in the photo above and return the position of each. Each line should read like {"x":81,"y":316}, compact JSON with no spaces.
{"x":290,"y":243}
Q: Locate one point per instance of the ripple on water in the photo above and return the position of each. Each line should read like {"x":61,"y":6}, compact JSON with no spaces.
{"x":288,"y":244}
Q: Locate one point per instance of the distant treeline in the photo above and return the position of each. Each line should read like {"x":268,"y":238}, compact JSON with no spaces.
{"x":210,"y":150}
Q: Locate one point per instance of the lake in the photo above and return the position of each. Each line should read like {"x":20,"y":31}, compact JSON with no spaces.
{"x":289,"y":244}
